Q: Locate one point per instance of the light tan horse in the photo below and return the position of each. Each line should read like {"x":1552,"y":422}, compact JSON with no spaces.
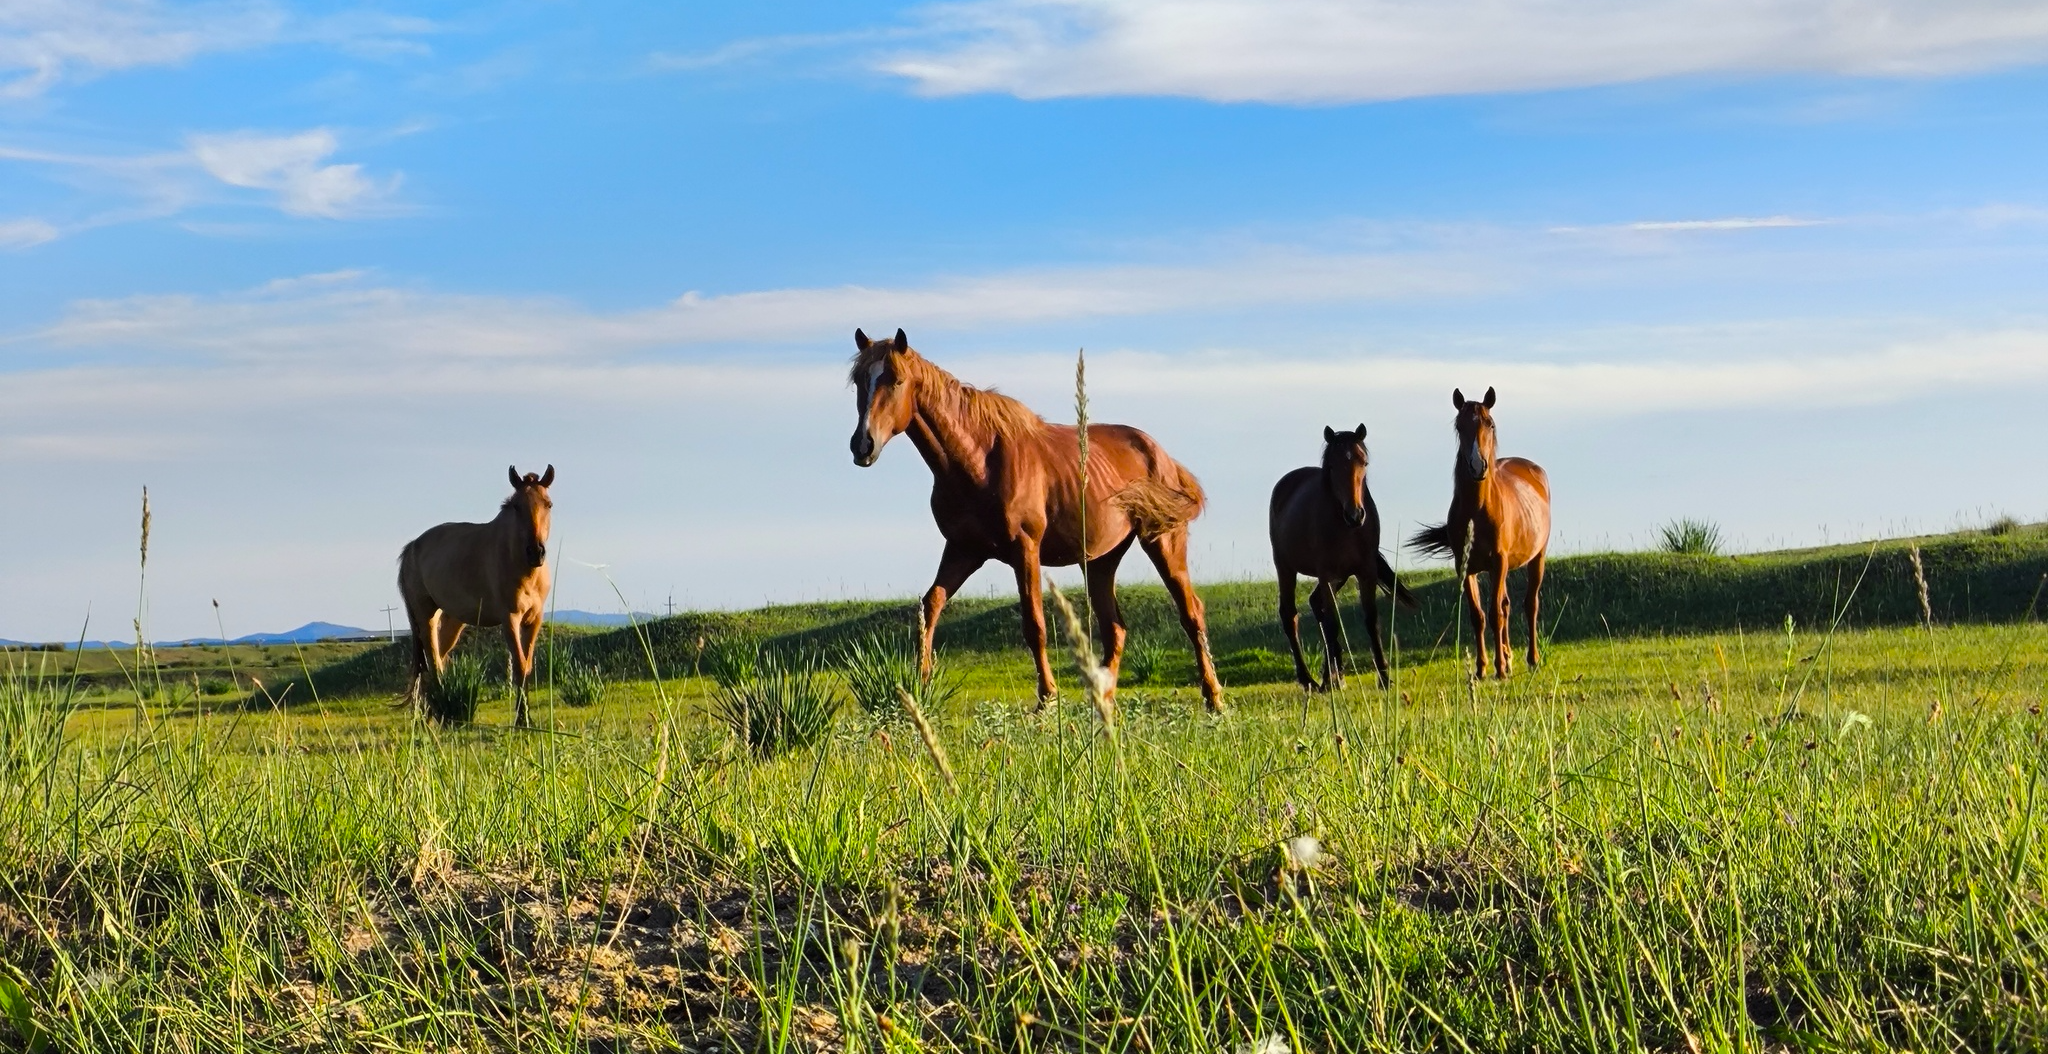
{"x":1501,"y":506}
{"x":1006,"y":485}
{"x":481,"y":574}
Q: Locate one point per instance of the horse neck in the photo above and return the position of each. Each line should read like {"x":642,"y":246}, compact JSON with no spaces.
{"x":1475,"y":499}
{"x":510,"y":527}
{"x":944,"y":432}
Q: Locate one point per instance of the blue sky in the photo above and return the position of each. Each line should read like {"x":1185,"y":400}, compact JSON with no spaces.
{"x":315,"y":273}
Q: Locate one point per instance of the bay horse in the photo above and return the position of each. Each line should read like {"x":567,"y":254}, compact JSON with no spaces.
{"x":481,"y":574}
{"x":1006,"y":485}
{"x":1323,"y":524}
{"x":1502,"y":504}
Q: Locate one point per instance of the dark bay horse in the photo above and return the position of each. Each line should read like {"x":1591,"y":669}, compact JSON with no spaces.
{"x":1324,"y":524}
{"x":1006,"y":485}
{"x":481,"y":574}
{"x":1503,"y":506}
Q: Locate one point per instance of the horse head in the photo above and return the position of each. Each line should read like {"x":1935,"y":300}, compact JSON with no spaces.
{"x":884,"y":394}
{"x":1344,"y":460}
{"x":530,"y":502}
{"x":1475,"y":436}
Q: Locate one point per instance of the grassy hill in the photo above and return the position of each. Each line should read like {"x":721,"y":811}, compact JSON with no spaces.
{"x":1973,"y":577}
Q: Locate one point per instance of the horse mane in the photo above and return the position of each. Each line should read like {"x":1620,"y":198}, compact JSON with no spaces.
{"x":985,"y":409}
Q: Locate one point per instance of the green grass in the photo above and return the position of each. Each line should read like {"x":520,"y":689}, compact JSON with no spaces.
{"x":1764,"y":838}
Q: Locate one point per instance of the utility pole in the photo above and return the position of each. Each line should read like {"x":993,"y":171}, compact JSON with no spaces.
{"x":390,"y":628}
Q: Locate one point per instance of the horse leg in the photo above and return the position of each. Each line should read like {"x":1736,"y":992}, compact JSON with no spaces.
{"x":419,"y":615}
{"x":1323,"y":601}
{"x":1031,"y":601}
{"x":1533,"y":600}
{"x":447,"y":633}
{"x":956,"y":565}
{"x":522,"y":630}
{"x":1169,"y":554}
{"x":1478,"y":613}
{"x":1290,"y":623}
{"x":1369,"y":604}
{"x":1503,"y":652}
{"x":1109,"y":615}
{"x":514,"y":629}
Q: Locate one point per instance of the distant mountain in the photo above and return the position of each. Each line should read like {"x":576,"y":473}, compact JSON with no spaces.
{"x":306,"y":634}
{"x":319,"y":631}
{"x":597,"y":618}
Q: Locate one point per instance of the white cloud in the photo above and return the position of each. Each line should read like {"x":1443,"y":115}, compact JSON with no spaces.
{"x":1736,"y":223}
{"x":288,"y":169}
{"x":290,"y":166}
{"x":1723,"y":374}
{"x":1327,"y":51}
{"x":1730,"y":223}
{"x":384,"y":321}
{"x":43,"y":42}
{"x":22,"y":234}
{"x":324,"y":333}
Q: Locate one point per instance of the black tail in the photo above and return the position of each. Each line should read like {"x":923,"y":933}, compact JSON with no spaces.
{"x":1433,"y":541}
{"x":1392,"y":584}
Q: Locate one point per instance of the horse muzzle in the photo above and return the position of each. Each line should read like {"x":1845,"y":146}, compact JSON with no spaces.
{"x":536,"y":555}
{"x":864,"y":449}
{"x":1356,"y":516}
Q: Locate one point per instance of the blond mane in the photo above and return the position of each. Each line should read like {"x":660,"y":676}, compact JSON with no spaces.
{"x":984,"y":409}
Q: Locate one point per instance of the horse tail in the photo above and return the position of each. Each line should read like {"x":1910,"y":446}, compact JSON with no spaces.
{"x":1159,"y":506}
{"x":1433,"y":541}
{"x":1392,"y":584}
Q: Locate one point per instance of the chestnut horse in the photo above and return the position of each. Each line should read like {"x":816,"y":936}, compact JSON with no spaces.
{"x":1006,"y":486}
{"x":1324,"y":524}
{"x":1502,"y":505}
{"x":481,"y":574}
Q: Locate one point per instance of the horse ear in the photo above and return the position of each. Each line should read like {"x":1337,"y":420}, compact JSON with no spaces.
{"x":513,"y":471}
{"x":1329,"y":434}
{"x":547,"y":479}
{"x":1489,"y":399}
{"x":860,"y":340}
{"x":902,"y":342}
{"x":1361,"y":429}
{"x":1457,"y":399}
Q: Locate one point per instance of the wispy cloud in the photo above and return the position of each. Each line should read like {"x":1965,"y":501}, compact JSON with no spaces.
{"x":1736,"y":223}
{"x":1333,"y":51}
{"x":391,"y":338}
{"x":1729,"y":223}
{"x":290,"y":167}
{"x":385,"y":321}
{"x":288,"y":170}
{"x":43,"y":42}
{"x":22,"y":234}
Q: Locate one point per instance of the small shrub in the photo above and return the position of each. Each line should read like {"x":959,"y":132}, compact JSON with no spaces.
{"x":731,"y":660}
{"x":453,"y":698}
{"x":2004,"y":524}
{"x":580,"y":684}
{"x":1690,"y":537}
{"x":1143,"y":663}
{"x":878,"y":667}
{"x":216,"y":686}
{"x":782,"y":707}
